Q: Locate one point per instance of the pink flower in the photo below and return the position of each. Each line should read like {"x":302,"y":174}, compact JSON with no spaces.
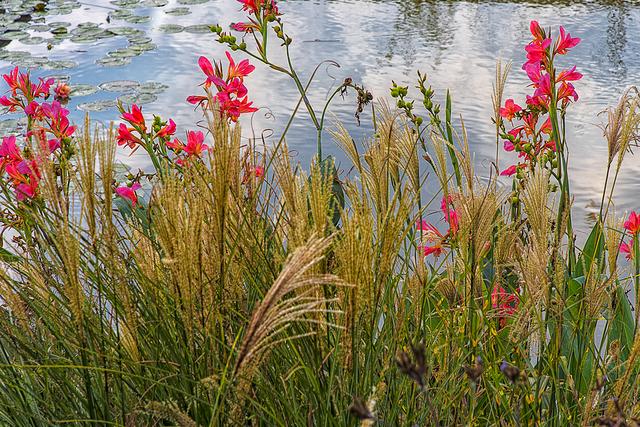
{"x":168,"y":130}
{"x":241,"y":70}
{"x":195,"y":146}
{"x":633,"y":223}
{"x":565,"y":42}
{"x":510,"y":171}
{"x":510,"y":109}
{"x":126,"y":137}
{"x":62,"y":91}
{"x":566,"y":92}
{"x":505,"y":303}
{"x":508,"y":146}
{"x":244,"y":27}
{"x":536,"y":31}
{"x":129,"y":193}
{"x":569,"y":75}
{"x":135,"y":117}
{"x":544,"y":86}
{"x":627,"y":248}
{"x":537,"y":50}
{"x":533,"y":70}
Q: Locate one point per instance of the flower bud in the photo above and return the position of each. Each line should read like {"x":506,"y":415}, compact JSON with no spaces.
{"x":418,"y":120}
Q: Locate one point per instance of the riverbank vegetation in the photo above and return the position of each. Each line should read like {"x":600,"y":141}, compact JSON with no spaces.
{"x":230,"y":286}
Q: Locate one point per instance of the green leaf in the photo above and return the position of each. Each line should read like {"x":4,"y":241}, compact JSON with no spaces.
{"x":7,"y":256}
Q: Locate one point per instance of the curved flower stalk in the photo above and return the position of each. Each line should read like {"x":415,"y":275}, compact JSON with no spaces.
{"x":263,"y":16}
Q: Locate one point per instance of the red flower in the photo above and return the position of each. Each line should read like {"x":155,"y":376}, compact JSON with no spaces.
{"x":168,"y":130}
{"x":241,"y":70}
{"x":565,"y":42}
{"x":569,"y":75}
{"x":505,"y":303}
{"x":537,"y":50}
{"x":62,"y":91}
{"x":129,"y":193}
{"x":510,"y":109}
{"x":511,"y":170}
{"x":633,"y":223}
{"x":135,"y":117}
{"x":536,"y":31}
{"x":126,"y":137}
{"x":627,"y":248}
{"x":195,"y":146}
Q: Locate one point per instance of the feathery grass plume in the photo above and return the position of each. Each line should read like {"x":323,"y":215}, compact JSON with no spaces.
{"x":407,"y":155}
{"x":355,"y":252}
{"x":87,"y":158}
{"x":167,"y":411}
{"x":292,"y":298}
{"x":622,"y":126}
{"x":612,"y":239}
{"x":502,"y":73}
{"x":346,"y":142}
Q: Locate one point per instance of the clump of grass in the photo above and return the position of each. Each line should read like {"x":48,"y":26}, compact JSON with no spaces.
{"x":242,"y":289}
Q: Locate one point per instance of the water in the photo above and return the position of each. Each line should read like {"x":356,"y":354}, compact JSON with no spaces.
{"x":455,"y":43}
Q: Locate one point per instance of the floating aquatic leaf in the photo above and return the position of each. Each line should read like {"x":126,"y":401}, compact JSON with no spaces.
{"x":138,"y":98}
{"x":111,"y":61}
{"x":192,"y":1}
{"x":126,"y":31}
{"x":140,"y":48}
{"x":139,"y":39}
{"x":83,"y":90}
{"x":10,"y":56}
{"x":119,"y":85}
{"x":60,"y":65}
{"x":152,"y":87}
{"x":125,"y":3}
{"x":32,"y":40}
{"x":178,"y":11}
{"x":59,"y":31}
{"x":58,"y":77}
{"x":120,"y":14}
{"x":123,"y":53}
{"x":101,"y":105}
{"x":40,"y":28}
{"x":14,"y":35}
{"x":170,"y":28}
{"x":61,"y":24}
{"x":137,"y":19}
{"x":198,"y":29}
{"x":31,"y":62}
{"x":154,"y":3}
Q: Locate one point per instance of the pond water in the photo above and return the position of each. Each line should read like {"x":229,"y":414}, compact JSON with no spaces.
{"x":145,"y":51}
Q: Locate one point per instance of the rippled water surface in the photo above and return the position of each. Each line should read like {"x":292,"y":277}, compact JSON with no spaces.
{"x":145,"y":51}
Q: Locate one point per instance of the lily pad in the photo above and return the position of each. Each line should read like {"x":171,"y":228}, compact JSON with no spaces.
{"x":139,"y":39}
{"x":152,"y":87}
{"x":119,"y":86}
{"x":137,"y":19}
{"x":34,"y":40}
{"x":112,"y":61}
{"x":60,"y":65}
{"x":178,"y":11}
{"x":101,"y":105}
{"x":190,"y":2}
{"x":58,"y":77}
{"x":40,"y":28}
{"x":10,"y":56}
{"x":126,"y":31}
{"x":59,"y":31}
{"x":83,"y":90}
{"x":31,"y":62}
{"x":123,"y":53}
{"x":14,"y":35}
{"x":154,"y":3}
{"x":140,"y":48}
{"x":125,"y":3}
{"x":138,"y":98}
{"x":171,"y":28}
{"x":198,"y":29}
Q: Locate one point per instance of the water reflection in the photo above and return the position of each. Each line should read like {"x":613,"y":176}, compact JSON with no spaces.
{"x":375,"y":41}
